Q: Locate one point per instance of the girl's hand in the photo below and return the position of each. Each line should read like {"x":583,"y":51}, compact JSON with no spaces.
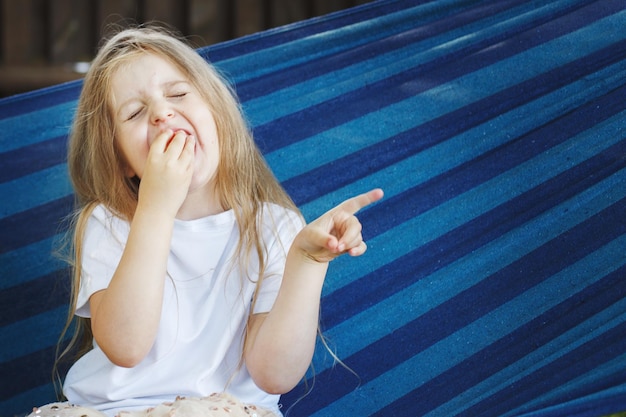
{"x":168,"y":171}
{"x":280,"y":344}
{"x":336,"y":232}
{"x":125,"y":316}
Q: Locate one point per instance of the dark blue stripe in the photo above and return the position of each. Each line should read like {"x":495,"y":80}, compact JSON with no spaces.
{"x":466,"y":307}
{"x":298,"y":73}
{"x":27,"y":372}
{"x":26,"y":160}
{"x":467,"y":176}
{"x":35,"y":224}
{"x":331,"y":176}
{"x":511,"y":348}
{"x":571,"y":365}
{"x":295,"y":127}
{"x":36,"y":296}
{"x":299,"y":30}
{"x":425,"y":260}
{"x":605,"y":403}
{"x":39,"y":99}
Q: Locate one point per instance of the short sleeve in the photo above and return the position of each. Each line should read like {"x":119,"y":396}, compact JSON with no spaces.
{"x":280,"y":229}
{"x":103,"y":244}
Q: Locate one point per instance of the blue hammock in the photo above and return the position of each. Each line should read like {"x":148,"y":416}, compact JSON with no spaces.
{"x":495,"y":280}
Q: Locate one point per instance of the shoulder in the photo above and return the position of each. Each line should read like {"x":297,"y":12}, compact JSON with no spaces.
{"x":277,"y":217}
{"x":102,"y":221}
{"x":102,"y":214}
{"x":279,"y":226}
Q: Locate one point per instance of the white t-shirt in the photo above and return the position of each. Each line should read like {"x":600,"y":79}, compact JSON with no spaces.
{"x":205,"y":308}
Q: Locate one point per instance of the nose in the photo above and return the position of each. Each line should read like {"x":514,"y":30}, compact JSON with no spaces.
{"x":161,"y":114}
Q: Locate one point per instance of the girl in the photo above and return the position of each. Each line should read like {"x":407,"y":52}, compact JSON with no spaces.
{"x":195,"y":273}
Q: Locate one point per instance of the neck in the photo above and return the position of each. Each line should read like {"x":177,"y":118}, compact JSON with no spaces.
{"x":200,"y":203}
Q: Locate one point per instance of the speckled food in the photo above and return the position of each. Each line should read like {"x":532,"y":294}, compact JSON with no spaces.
{"x":215,"y":405}
{"x":64,"y":410}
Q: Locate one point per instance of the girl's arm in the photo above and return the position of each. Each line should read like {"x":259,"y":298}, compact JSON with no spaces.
{"x":125,"y":316}
{"x":280,"y":344}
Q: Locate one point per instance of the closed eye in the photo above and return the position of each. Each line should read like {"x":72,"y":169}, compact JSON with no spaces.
{"x":178,"y":95}
{"x":134,"y":114}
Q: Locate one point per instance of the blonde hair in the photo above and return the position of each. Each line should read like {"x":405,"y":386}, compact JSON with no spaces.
{"x":96,"y":167}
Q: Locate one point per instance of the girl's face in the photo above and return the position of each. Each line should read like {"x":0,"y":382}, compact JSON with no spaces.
{"x":150,"y":95}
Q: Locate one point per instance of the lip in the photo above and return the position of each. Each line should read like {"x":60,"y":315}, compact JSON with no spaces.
{"x":174,"y":132}
{"x":181,"y":130}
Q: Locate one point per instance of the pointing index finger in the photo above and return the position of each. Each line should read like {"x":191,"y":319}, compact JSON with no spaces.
{"x":354,"y":204}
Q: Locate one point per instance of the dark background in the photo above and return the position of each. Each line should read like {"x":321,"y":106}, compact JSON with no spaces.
{"x":41,"y":41}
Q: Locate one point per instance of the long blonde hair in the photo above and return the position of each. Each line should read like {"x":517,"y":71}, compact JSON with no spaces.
{"x":96,"y":167}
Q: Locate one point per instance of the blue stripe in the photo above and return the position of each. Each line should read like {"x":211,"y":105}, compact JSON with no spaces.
{"x":437,"y":159}
{"x":604,"y":402}
{"x":330,"y":176}
{"x":33,"y":332}
{"x":419,"y":36}
{"x":425,"y":46}
{"x":36,"y":297}
{"x":37,"y":100}
{"x":41,"y":261}
{"x":524,"y":47}
{"x":432,"y":221}
{"x":287,"y":54}
{"x":435,"y":367}
{"x":37,"y":126}
{"x":491,"y":406}
{"x":362,"y":130}
{"x":33,"y":225}
{"x":536,"y":145}
{"x":583,"y":359}
{"x":44,"y":186}
{"x":27,"y":375}
{"x":434,"y":263}
{"x":510,"y":374}
{"x":437,"y":261}
{"x":24,"y":402}
{"x":469,"y":306}
{"x":361,"y":330}
{"x":27,"y":159}
{"x":516,"y":355}
{"x":595,"y":381}
{"x":439,"y":278}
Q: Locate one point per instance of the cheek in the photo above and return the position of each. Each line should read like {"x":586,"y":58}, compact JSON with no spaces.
{"x":134,"y":154}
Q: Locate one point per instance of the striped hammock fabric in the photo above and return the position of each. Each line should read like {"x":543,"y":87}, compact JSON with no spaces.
{"x":495,"y":280}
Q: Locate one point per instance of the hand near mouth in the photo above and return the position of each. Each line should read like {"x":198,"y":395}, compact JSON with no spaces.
{"x":173,"y":134}
{"x":168,"y":171}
